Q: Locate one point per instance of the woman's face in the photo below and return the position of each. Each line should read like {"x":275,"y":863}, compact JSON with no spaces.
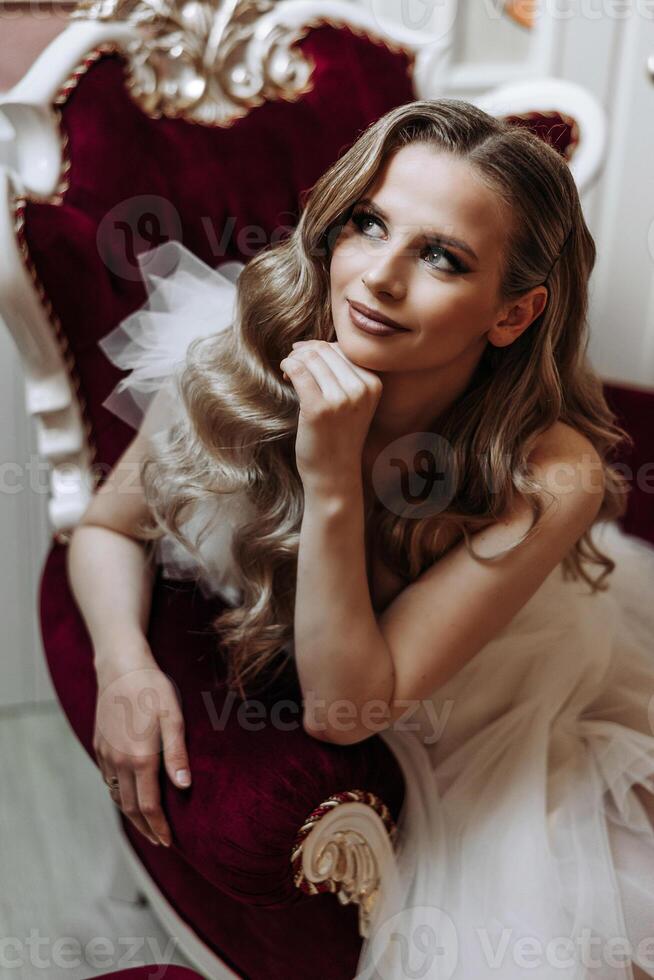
{"x":402,"y":262}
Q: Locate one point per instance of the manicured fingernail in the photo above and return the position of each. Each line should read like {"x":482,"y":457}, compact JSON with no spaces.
{"x":166,"y":843}
{"x":183,"y":776}
{"x":153,"y":840}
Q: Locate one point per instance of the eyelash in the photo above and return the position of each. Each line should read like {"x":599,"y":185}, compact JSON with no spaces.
{"x":358,"y":218}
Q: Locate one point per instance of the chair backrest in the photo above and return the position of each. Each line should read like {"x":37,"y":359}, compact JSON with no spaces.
{"x":224,"y":173}
{"x":562,"y":112}
{"x":135,"y":181}
{"x":133,"y":133}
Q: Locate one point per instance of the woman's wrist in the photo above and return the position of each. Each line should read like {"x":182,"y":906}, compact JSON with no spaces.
{"x":334,"y":493}
{"x":124,"y":652}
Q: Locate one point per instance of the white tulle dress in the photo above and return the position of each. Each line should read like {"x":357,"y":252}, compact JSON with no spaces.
{"x":523,"y":849}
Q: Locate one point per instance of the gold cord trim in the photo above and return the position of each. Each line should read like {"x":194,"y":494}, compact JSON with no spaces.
{"x":355,"y":877}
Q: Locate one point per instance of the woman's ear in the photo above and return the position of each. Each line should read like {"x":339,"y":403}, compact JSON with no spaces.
{"x":517,"y":316}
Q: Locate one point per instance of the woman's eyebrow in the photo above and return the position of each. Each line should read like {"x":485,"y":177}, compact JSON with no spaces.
{"x":429,"y":234}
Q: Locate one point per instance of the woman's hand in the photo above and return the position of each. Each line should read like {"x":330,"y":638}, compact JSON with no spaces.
{"x":338,"y":400}
{"x":137,"y":709}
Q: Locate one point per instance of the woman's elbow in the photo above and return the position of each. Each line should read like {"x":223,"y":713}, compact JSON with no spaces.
{"x":344,"y":730}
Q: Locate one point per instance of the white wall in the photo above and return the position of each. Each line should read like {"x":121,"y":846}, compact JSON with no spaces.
{"x":24,"y":532}
{"x":25,"y":538}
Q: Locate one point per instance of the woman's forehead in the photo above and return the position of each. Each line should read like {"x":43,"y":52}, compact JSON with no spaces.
{"x":436,"y":191}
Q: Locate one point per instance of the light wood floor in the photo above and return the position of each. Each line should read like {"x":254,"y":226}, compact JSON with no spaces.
{"x":57,"y":847}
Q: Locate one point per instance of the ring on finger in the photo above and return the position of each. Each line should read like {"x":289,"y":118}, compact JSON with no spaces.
{"x":112,"y":782}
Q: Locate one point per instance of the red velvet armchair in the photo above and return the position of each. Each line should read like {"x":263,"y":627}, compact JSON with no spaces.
{"x":126,"y":138}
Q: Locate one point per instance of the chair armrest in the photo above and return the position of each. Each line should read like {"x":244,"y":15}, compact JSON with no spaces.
{"x":257,"y":775}
{"x":270,"y":799}
{"x":260,"y":801}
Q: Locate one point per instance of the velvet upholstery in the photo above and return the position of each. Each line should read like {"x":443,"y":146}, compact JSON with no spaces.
{"x":228,"y":873}
{"x":634,"y":411}
{"x":559,"y":130}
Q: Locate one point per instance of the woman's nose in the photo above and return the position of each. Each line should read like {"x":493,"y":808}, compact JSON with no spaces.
{"x":385,"y":277}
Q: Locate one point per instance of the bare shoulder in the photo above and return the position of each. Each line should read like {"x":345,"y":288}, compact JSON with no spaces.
{"x":562,"y":441}
{"x":568,"y":461}
{"x":570,"y":468}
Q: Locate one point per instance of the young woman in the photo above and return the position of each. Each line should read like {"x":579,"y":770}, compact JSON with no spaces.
{"x":382,"y":442}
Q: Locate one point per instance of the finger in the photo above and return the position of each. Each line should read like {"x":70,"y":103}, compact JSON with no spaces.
{"x":327,"y":381}
{"x":362,"y":372}
{"x":129,"y":803}
{"x":109,"y":776}
{"x":350,"y":380}
{"x":114,"y":790}
{"x":302,"y":379}
{"x":149,"y":801}
{"x":174,"y":750}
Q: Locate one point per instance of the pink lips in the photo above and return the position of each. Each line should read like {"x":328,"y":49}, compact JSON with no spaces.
{"x":371,"y":325}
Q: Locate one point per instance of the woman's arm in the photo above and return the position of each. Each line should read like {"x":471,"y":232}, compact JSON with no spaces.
{"x":351,"y":665}
{"x":344,"y":663}
{"x":108,"y":567}
{"x":112,"y":577}
{"x":439,"y":621}
{"x":112,"y":582}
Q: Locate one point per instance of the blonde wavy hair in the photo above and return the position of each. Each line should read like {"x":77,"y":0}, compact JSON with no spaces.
{"x":242,"y":416}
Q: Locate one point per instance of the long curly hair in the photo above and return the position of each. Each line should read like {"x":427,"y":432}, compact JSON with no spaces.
{"x":242,"y":416}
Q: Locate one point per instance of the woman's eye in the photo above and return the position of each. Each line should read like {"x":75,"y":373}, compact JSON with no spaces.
{"x":361,"y":219}
{"x":453,"y":261}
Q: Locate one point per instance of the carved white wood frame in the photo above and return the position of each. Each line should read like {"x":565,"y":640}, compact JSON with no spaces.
{"x":32,"y":156}
{"x":545,"y":95}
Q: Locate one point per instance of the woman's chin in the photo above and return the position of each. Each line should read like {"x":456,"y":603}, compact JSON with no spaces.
{"x":360,"y":354}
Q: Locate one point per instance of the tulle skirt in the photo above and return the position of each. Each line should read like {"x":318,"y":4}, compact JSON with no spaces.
{"x":524,"y":848}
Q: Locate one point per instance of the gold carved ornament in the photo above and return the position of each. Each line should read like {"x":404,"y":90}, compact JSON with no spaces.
{"x":212,"y":63}
{"x":344,"y":863}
